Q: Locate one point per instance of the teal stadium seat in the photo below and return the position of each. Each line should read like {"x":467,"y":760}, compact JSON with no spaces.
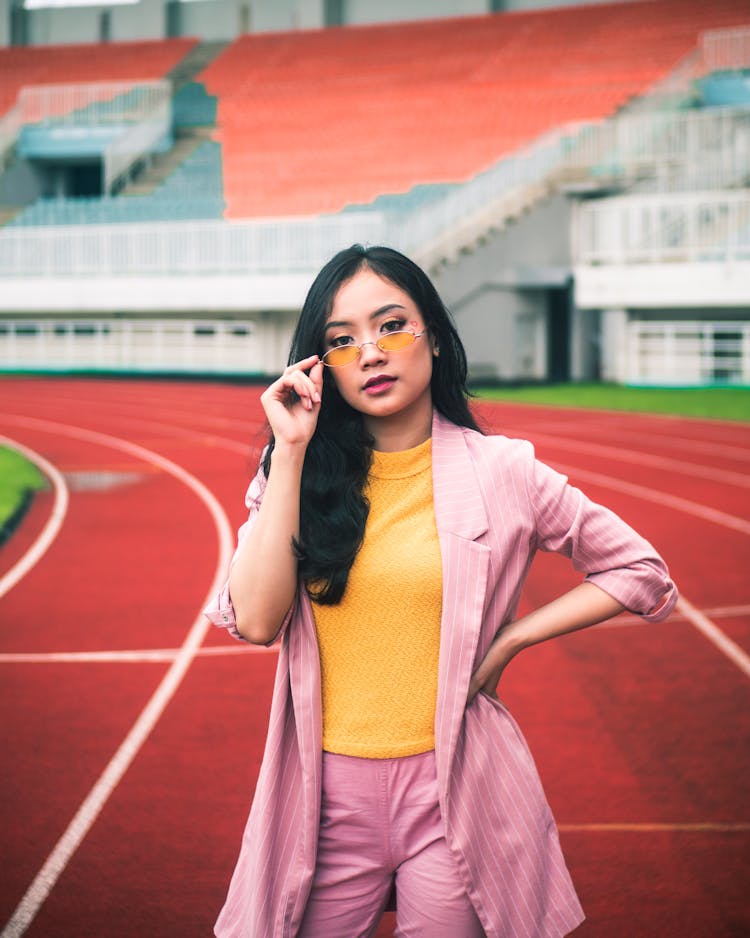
{"x":193,"y":106}
{"x":192,"y":191}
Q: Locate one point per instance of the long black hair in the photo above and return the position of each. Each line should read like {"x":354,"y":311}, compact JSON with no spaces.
{"x":333,"y":506}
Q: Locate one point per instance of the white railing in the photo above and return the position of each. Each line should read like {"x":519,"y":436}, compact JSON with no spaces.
{"x":655,"y":229}
{"x":688,"y":353}
{"x":143,"y":107}
{"x":686,"y":149}
{"x":136,"y":345}
{"x":206,"y":247}
{"x":136,"y":143}
{"x":93,"y":103}
{"x":724,"y":49}
{"x":448,"y":224}
{"x":10,"y":127}
{"x":717,"y":50}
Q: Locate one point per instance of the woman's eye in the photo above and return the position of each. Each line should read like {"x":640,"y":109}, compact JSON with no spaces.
{"x":393,"y":325}
{"x":340,"y":340}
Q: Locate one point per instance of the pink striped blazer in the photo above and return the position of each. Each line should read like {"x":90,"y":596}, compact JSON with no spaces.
{"x":495,"y":505}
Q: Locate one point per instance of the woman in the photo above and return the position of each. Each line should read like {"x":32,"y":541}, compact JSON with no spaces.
{"x":388,"y":541}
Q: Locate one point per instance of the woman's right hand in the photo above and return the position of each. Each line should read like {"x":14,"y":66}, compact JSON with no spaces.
{"x":292,"y":403}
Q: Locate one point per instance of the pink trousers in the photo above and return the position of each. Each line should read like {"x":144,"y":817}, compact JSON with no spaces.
{"x":380,"y":825}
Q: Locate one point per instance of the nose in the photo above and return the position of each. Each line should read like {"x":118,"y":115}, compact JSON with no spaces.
{"x":370,"y":354}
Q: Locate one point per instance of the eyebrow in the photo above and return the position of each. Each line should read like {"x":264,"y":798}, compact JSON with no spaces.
{"x":373,"y":315}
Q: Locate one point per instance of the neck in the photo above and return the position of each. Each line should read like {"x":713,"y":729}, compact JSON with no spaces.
{"x":401,"y":431}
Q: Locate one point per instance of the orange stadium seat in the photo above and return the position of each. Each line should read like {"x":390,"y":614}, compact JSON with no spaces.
{"x":312,"y":121}
{"x":145,"y":60}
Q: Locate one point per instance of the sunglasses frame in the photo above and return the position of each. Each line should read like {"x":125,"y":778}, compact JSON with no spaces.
{"x":377,"y":342}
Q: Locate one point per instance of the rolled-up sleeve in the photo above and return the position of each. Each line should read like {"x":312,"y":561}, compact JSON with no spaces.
{"x":601,"y":545}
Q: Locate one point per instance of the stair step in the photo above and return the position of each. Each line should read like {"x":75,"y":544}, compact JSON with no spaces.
{"x":194,"y":62}
{"x":161,"y":165}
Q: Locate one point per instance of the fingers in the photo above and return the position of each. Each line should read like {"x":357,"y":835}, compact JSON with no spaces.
{"x":306,"y":386}
{"x":296,"y":381}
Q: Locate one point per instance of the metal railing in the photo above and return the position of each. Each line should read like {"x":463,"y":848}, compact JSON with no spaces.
{"x":688,"y":353}
{"x":205,"y":247}
{"x":137,"y":345}
{"x":651,"y":229}
{"x":117,"y":102}
{"x":10,"y":128}
{"x":136,"y":143}
{"x":717,"y":50}
{"x":675,"y":149}
{"x":723,"y":49}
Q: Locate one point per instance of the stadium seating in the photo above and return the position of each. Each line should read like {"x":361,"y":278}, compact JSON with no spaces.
{"x":105,"y":62}
{"x":313,"y":121}
{"x":192,"y":191}
{"x":193,"y":107}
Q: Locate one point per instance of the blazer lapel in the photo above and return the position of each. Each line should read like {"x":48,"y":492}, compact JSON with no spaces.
{"x":461,"y":518}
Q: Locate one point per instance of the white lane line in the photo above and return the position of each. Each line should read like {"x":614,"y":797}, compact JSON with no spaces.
{"x":160,"y":655}
{"x":661,"y":498}
{"x":54,"y":523}
{"x":714,"y":634}
{"x":704,"y":625}
{"x":133,"y":656}
{"x":652,"y":439}
{"x":640,"y":458}
{"x":92,"y":805}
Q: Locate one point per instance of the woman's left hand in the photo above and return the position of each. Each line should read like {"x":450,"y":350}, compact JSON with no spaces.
{"x":584,"y":605}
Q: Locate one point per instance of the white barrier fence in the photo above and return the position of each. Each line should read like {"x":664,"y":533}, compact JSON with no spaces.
{"x":206,"y":247}
{"x":113,"y":102}
{"x":146,"y":107}
{"x":131,"y":345}
{"x":10,"y":127}
{"x":724,"y":49}
{"x":657,"y":229}
{"x":684,"y":150}
{"x":688,"y":353}
{"x":136,"y":143}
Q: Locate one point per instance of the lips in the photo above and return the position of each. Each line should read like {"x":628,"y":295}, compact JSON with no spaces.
{"x":378,"y":383}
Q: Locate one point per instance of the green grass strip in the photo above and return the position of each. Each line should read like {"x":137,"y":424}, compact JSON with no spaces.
{"x":712,"y":403}
{"x":19,"y":479}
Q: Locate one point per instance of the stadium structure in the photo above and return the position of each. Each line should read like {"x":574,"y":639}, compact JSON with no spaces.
{"x":576,"y":179}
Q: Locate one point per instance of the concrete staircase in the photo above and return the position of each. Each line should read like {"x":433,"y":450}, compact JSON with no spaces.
{"x":194,"y":63}
{"x":160,"y":165}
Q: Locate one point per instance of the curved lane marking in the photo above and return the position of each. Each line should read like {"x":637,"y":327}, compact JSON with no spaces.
{"x":159,"y":655}
{"x":661,"y":498}
{"x":646,"y":459}
{"x":92,"y":805}
{"x":642,"y":437}
{"x":54,"y":523}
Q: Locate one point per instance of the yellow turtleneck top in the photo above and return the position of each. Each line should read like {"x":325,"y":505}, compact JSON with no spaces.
{"x":379,"y":646}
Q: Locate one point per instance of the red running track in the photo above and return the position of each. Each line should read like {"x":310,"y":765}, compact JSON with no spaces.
{"x":640,"y":732}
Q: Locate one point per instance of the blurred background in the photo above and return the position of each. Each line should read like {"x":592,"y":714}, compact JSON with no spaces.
{"x":174,"y":172}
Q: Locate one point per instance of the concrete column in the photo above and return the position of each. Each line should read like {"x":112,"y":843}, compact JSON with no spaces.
{"x":614,"y":339}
